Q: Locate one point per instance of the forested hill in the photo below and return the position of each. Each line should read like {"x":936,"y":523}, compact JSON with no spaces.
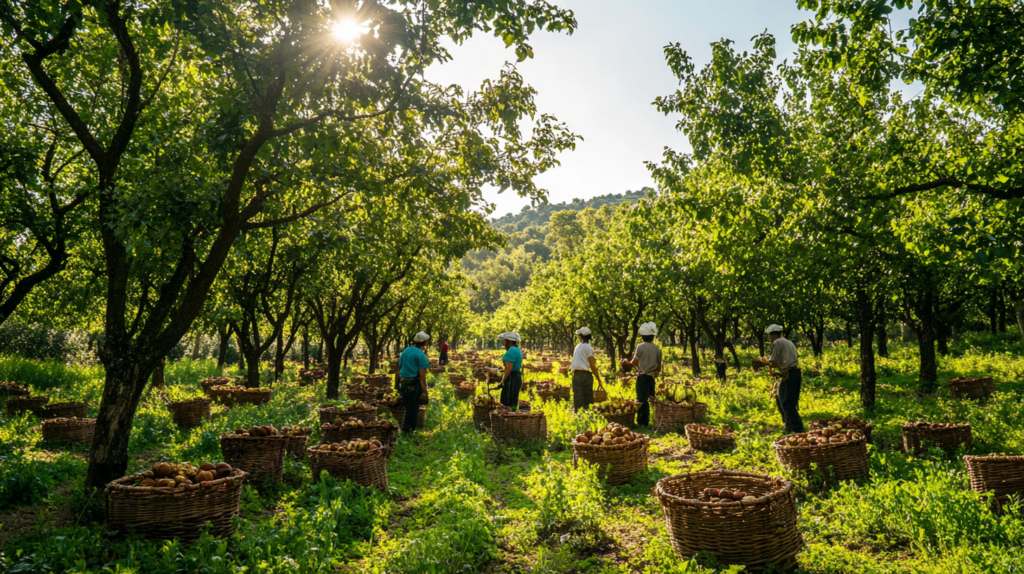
{"x":541,"y":215}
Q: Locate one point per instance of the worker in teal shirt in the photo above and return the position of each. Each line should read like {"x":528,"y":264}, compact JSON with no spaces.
{"x":411,"y":378}
{"x":512,"y":377}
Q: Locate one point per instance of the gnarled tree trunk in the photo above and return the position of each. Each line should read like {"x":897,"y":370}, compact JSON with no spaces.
{"x":868,"y":377}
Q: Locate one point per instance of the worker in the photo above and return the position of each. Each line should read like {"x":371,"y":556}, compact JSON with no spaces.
{"x":442,"y":359}
{"x":512,"y":375}
{"x":647,"y":361}
{"x":784,"y":359}
{"x":411,"y":379}
{"x":584,"y":370}
{"x":720,"y":366}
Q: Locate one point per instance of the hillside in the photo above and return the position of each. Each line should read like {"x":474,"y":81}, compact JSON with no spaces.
{"x":540,"y":215}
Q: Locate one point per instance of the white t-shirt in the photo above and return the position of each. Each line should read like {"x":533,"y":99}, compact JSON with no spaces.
{"x":579,"y":357}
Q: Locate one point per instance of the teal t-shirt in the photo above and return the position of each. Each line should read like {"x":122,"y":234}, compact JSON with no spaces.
{"x":410,"y":362}
{"x":514,"y":356}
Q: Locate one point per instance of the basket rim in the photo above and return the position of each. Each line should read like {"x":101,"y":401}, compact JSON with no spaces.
{"x":653,"y":400}
{"x":347,"y":453}
{"x":692,"y":428}
{"x":911,"y":426}
{"x":335,"y":409}
{"x":63,"y":421}
{"x":188,"y":402}
{"x":280,"y":437}
{"x":822,"y":422}
{"x":365,"y":426}
{"x":856,"y":440}
{"x":636,"y":444}
{"x":787,"y":487}
{"x":68,"y":404}
{"x":968,"y":458}
{"x":121,"y":485}
{"x":36,"y":398}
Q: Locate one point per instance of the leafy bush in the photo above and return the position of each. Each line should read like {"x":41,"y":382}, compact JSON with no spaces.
{"x":568,"y":499}
{"x":29,"y":481}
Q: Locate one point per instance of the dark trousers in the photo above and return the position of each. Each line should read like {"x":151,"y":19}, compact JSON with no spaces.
{"x":510,"y":391}
{"x":582,"y":390}
{"x":410,"y":390}
{"x":442,"y":359}
{"x":720,"y":368}
{"x":644,"y":391}
{"x":788,"y":401}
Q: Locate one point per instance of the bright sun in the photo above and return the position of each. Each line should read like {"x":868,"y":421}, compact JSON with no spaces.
{"x":349,"y":30}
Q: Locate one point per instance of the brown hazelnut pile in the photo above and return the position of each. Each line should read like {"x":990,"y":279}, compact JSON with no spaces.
{"x":933,"y":426}
{"x":830,"y":435}
{"x":349,"y":447}
{"x":722,"y":495}
{"x":609,"y":435}
{"x":723,"y":430}
{"x":254,"y":431}
{"x":167,"y":475}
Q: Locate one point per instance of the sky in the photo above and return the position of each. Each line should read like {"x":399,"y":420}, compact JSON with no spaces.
{"x":602,"y":80}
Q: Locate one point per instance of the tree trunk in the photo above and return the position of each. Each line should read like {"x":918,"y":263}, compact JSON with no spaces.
{"x":849,"y":335}
{"x":925,"y":329}
{"x":241,"y":353}
{"x":883,"y":337}
{"x":942,"y":336}
{"x":993,"y":312}
{"x":735,"y":357}
{"x":197,"y":348}
{"x":1018,"y":309}
{"x":157,"y":379}
{"x":334,"y":356}
{"x":222,"y":349}
{"x":252,"y":375}
{"x":868,"y":377}
{"x":759,"y":336}
{"x":305,"y":347}
{"x":694,"y":357}
{"x":126,"y":377}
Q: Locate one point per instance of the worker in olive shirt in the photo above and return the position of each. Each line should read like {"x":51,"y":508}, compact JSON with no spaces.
{"x":784,"y":358}
{"x":512,"y":376}
{"x":584,"y":370}
{"x":411,"y":379}
{"x":647,"y":361}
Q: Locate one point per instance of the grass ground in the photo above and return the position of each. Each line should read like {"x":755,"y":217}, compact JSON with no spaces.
{"x":459,"y":503}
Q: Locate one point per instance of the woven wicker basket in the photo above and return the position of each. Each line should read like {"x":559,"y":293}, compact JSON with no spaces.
{"x":866,"y":430}
{"x":708,"y":442}
{"x":437,"y":370}
{"x":330,"y":414}
{"x":464,"y":392}
{"x":78,"y":431}
{"x":756,"y":534}
{"x":398,"y":413}
{"x":625,"y":419}
{"x":456,"y":379}
{"x":507,"y":426}
{"x":672,"y":416}
{"x":971,"y":388}
{"x":600,"y":395}
{"x":230,"y":396}
{"x":296,"y":446}
{"x":12,"y":389}
{"x":559,"y":394}
{"x":165,"y":513}
{"x":64,"y":410}
{"x":617,"y":464}
{"x":364,"y":468}
{"x":482,"y":416}
{"x":563,"y":371}
{"x":208,"y":384}
{"x":20,"y":404}
{"x":358,"y":394}
{"x":190,"y":414}
{"x":261,"y":457}
{"x":844,"y":460}
{"x":756,"y":364}
{"x":378,"y":380}
{"x":915,"y":439}
{"x":1002,"y":474}
{"x":388,"y":436}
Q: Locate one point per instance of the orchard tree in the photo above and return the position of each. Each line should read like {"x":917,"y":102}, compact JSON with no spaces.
{"x":198,"y":119}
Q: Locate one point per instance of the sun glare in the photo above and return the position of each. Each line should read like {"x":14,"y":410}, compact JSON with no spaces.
{"x":349,"y":30}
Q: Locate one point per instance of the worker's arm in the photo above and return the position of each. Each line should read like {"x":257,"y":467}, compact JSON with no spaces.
{"x":634,"y":362}
{"x":593,"y":368}
{"x":508,"y":372}
{"x":423,"y":379}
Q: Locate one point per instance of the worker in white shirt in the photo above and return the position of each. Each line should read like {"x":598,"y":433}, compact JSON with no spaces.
{"x":785,"y":359}
{"x":647,"y":361}
{"x":584,"y":370}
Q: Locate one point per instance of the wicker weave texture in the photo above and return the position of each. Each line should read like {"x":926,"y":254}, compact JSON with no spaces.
{"x":616,"y":464}
{"x":190,"y":414}
{"x":708,"y":442}
{"x":844,"y":460}
{"x":20,"y":404}
{"x":756,"y":534}
{"x":673,"y":416}
{"x":916,"y":439}
{"x":71,"y":432}
{"x":296,"y":446}
{"x":65,"y":410}
{"x":626,"y":419}
{"x":364,"y":468}
{"x":464,"y":393}
{"x":482,"y":416}
{"x":559,"y":394}
{"x":972,"y":388}
{"x":398,"y":413}
{"x":165,"y":514}
{"x":261,"y":457}
{"x":600,"y":395}
{"x":1002,"y":474}
{"x":506,"y":425}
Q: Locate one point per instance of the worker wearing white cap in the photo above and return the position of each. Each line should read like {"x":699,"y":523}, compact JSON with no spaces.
{"x":411,"y":378}
{"x":512,"y":377}
{"x":584,"y":370}
{"x":785,"y":359}
{"x":647,"y":361}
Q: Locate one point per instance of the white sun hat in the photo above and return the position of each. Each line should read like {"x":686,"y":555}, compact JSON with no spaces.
{"x":512,"y":336}
{"x":773,"y":329}
{"x":420,"y":337}
{"x":583,"y":331}
{"x":648,"y":329}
